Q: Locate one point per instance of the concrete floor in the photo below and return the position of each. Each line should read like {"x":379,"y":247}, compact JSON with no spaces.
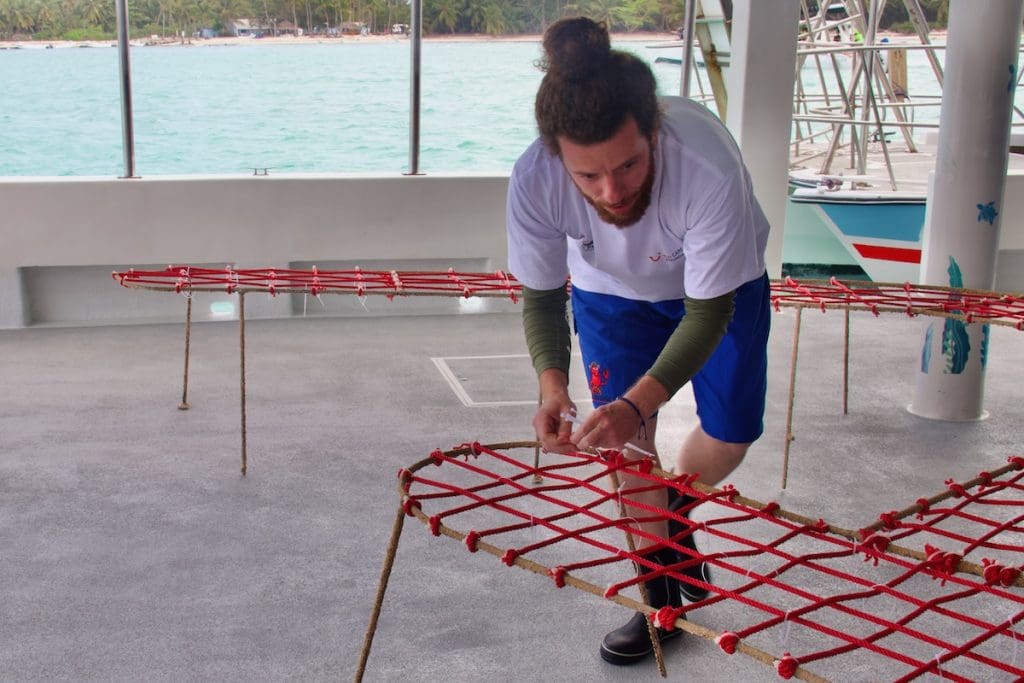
{"x":132,"y":549}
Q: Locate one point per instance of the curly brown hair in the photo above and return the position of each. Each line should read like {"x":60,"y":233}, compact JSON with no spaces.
{"x":589,"y":89}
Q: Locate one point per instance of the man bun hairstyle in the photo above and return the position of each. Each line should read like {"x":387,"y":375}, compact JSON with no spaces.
{"x":589,"y":89}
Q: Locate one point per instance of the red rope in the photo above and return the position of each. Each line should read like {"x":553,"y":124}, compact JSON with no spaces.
{"x":924,"y":615}
{"x":972,"y":306}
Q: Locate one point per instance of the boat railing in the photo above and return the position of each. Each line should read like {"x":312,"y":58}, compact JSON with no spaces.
{"x":855,"y":96}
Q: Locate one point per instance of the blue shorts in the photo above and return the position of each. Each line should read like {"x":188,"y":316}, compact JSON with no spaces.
{"x":621,"y":338}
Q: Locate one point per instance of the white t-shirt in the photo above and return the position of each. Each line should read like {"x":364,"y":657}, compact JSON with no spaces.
{"x":702,"y":236}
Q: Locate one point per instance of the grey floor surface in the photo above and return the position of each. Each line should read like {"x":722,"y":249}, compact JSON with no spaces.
{"x":132,"y":549}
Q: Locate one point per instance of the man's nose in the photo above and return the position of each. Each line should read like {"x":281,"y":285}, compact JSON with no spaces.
{"x":612,"y":190}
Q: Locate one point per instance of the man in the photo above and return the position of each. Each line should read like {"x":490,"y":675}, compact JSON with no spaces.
{"x":650,"y":211}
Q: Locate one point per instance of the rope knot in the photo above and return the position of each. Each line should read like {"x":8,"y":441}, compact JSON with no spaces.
{"x":957,"y":489}
{"x":941,"y":563}
{"x":435,"y":525}
{"x":510,"y":556}
{"x":728,"y":642}
{"x":986,"y":478}
{"x":437,"y":455}
{"x":1017,"y":461}
{"x":997,"y":574}
{"x":786,"y":667}
{"x":874,"y":545}
{"x":770,"y":508}
{"x":558,"y":574}
{"x":665,"y":618}
{"x":410,"y":505}
{"x":471,"y":540}
{"x":924,"y":505}
{"x":890,"y":520}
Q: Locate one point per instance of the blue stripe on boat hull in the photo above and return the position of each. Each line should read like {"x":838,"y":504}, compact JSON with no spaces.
{"x":902,"y":222}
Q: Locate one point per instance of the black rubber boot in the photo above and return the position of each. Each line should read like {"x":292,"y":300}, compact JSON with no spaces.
{"x":631,"y":643}
{"x":697,"y":571}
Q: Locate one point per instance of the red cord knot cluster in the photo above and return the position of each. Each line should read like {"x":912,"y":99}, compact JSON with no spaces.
{"x":728,"y":641}
{"x":873,"y":545}
{"x":890,"y":520}
{"x":786,"y":666}
{"x":471,"y":540}
{"x":410,"y":505}
{"x":956,"y":488}
{"x":941,"y":564}
{"x":1017,"y":461}
{"x":996,"y":574}
{"x":558,"y":575}
{"x":923,"y":505}
{"x":665,"y":618}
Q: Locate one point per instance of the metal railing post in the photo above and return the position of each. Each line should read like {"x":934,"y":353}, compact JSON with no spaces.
{"x":127,"y":126}
{"x":415,"y":43}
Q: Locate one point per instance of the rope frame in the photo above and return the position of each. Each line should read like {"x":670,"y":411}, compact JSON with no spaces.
{"x":501,"y":483}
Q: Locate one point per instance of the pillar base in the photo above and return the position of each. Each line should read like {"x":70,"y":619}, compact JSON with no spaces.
{"x":931,"y":415}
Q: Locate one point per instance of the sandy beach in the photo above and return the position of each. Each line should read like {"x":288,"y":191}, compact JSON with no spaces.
{"x":157,"y":41}
{"x":938,"y":36}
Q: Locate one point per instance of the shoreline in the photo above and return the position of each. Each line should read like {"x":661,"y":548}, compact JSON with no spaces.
{"x":223,"y":41}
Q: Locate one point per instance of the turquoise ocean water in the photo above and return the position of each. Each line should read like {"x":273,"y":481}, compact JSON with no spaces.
{"x":306,"y":108}
{"x":314,"y":108}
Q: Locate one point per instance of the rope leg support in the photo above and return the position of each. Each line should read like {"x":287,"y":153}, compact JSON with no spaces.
{"x":537,"y":478}
{"x":792,"y":395}
{"x":382,"y":587}
{"x":652,"y":631}
{"x":241,"y":354}
{"x":188,"y":336}
{"x":846,"y":362}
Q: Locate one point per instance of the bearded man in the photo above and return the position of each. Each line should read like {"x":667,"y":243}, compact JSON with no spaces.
{"x":646,"y":205}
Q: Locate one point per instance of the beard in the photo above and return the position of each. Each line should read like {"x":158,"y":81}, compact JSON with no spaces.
{"x":641,"y":201}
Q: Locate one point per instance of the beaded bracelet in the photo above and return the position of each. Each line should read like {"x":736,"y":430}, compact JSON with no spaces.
{"x":643,"y":423}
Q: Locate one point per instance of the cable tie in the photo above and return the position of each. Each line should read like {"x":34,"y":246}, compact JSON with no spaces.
{"x":573,"y":419}
{"x":787,"y":627}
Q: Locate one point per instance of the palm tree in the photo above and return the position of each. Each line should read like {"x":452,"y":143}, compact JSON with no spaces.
{"x":446,"y":16}
{"x":494,"y":22}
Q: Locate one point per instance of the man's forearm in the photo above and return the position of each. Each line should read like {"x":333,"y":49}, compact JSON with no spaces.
{"x":547,"y":329}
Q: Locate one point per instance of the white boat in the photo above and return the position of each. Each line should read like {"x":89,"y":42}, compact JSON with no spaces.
{"x":862,"y":150}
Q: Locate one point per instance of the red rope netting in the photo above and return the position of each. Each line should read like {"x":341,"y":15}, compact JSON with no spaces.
{"x":790,"y":591}
{"x":877,"y":297}
{"x":971,"y":306}
{"x":314,"y":281}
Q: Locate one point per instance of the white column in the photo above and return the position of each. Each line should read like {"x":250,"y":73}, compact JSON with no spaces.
{"x":760,"y":86}
{"x":965,"y":202}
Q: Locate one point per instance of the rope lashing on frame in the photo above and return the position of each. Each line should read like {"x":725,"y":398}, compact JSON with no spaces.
{"x":776,"y":572}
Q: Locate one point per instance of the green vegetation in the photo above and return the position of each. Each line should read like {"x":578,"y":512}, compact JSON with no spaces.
{"x":96,"y":19}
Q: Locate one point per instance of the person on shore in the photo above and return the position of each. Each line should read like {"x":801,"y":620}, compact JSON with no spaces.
{"x":646,"y":205}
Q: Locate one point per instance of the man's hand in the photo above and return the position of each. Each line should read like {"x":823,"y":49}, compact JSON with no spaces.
{"x":552,"y":430}
{"x":610,"y":426}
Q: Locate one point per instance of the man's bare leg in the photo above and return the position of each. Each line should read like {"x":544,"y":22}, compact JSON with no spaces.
{"x":712,"y":460}
{"x":656,"y":498}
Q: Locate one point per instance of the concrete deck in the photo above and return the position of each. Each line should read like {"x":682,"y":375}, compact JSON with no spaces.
{"x":132,"y":549}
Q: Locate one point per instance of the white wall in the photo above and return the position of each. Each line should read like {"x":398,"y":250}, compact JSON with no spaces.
{"x":61,"y":237}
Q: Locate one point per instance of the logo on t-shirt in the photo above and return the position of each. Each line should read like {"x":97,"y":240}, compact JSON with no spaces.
{"x":674,"y":256}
